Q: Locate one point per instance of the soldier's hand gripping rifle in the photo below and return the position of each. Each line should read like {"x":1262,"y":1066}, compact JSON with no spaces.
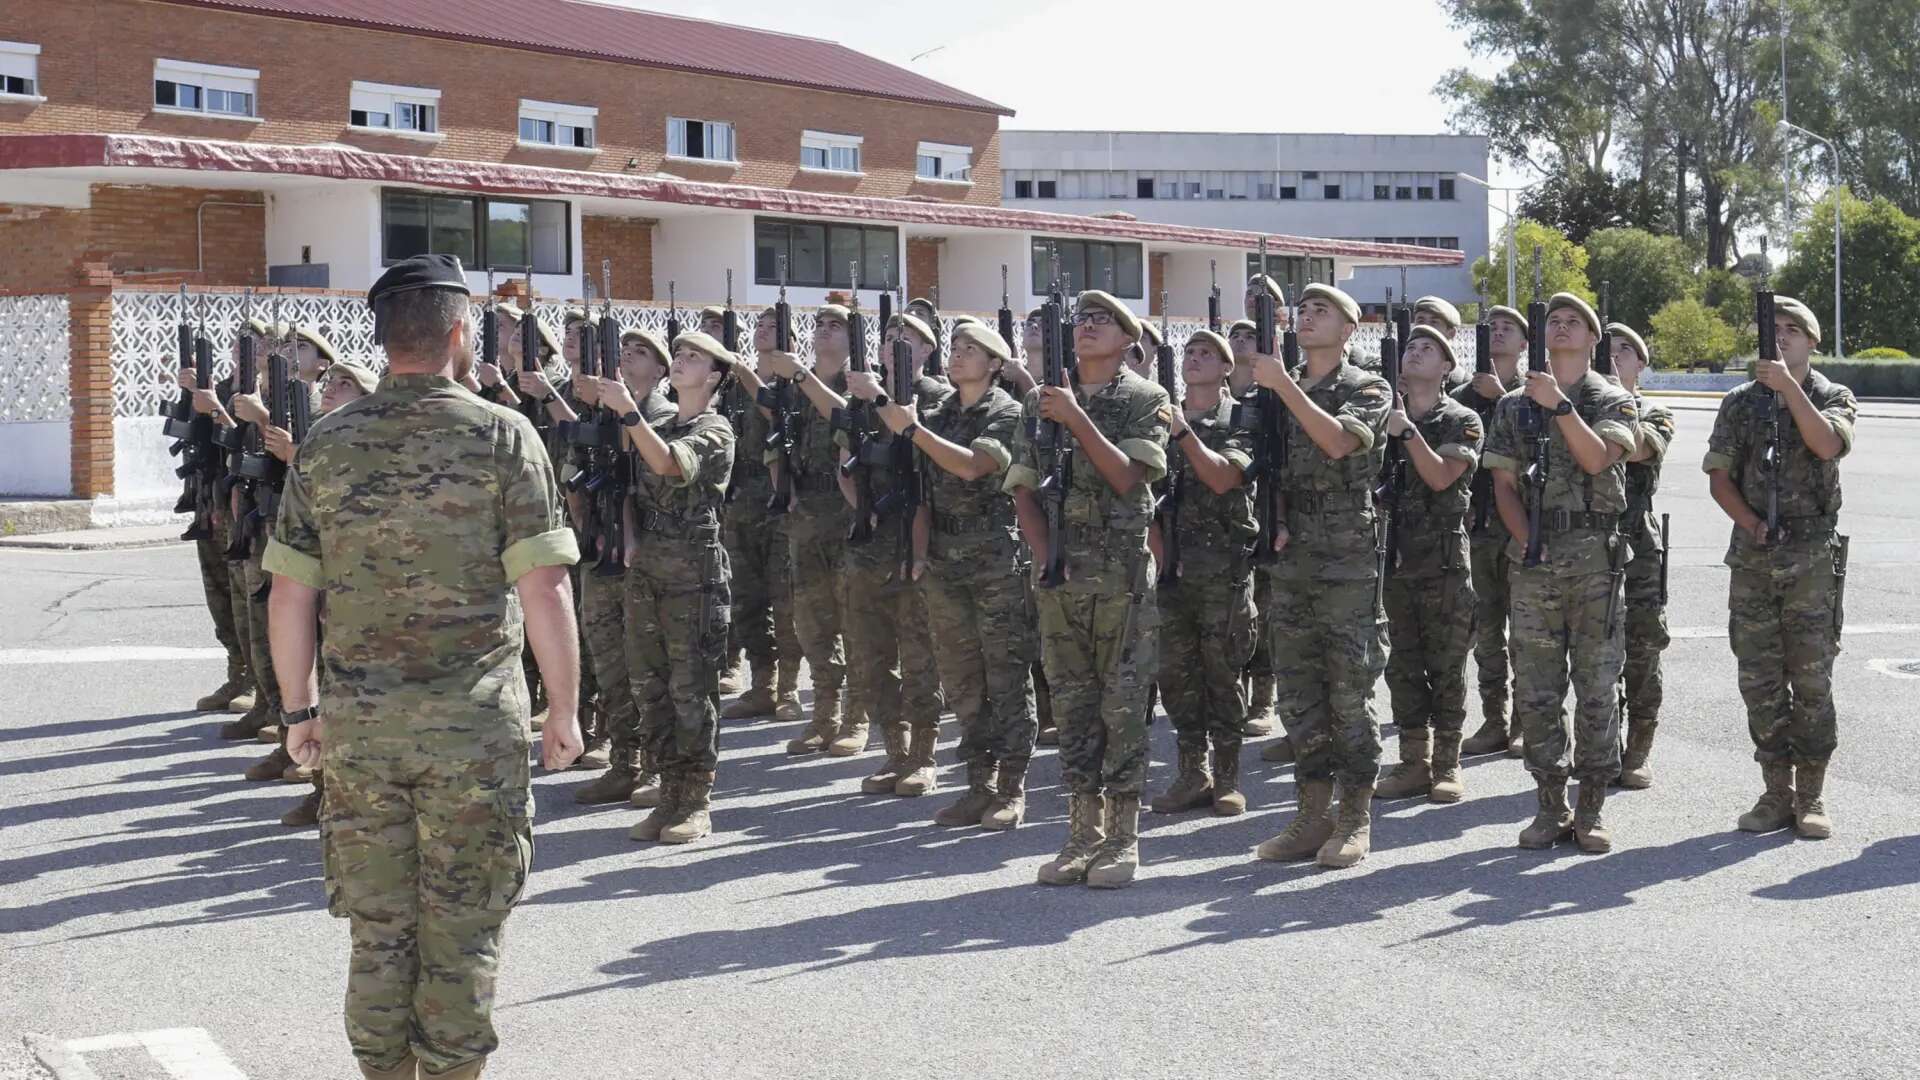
{"x":1482,"y":483}
{"x":1052,"y":438}
{"x":1603,"y":351}
{"x":778,"y":398}
{"x":1534,"y":422}
{"x":179,"y":424}
{"x":578,"y":433}
{"x":236,"y":441}
{"x":1769,"y":401}
{"x":530,"y":355}
{"x":1171,"y":489}
{"x":612,"y":462}
{"x":856,"y":420}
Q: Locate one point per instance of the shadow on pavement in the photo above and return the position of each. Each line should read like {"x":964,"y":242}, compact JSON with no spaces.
{"x":1886,"y":864}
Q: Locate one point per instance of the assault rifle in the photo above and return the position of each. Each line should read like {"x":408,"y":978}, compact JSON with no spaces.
{"x":1533,"y":421}
{"x":1172,"y":488}
{"x":1213,"y":295}
{"x":856,"y":419}
{"x":1051,"y":438}
{"x":612,"y":465}
{"x":905,"y":496}
{"x":268,"y":473}
{"x":1482,"y":483}
{"x":530,"y":354}
{"x":237,"y":440}
{"x":199,"y":454}
{"x":579,"y":433}
{"x":778,"y":398}
{"x":1393,"y":468}
{"x":179,"y":423}
{"x":673,"y":316}
{"x":1603,"y":352}
{"x":1763,"y":313}
{"x":1006,"y":314}
{"x":730,"y":321}
{"x":1263,"y":417}
{"x":489,"y":329}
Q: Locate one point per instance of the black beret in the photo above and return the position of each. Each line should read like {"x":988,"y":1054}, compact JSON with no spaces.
{"x":410,"y":275}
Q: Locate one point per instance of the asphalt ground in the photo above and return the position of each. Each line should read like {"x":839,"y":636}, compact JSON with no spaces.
{"x":144,"y":887}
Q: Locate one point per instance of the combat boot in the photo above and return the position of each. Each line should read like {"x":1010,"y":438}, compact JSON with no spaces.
{"x":466,"y":1070}
{"x":692,"y":817}
{"x":1589,"y":830}
{"x":243,"y":701}
{"x":1048,"y":735}
{"x":615,"y":785}
{"x":1009,"y":806}
{"x":786,"y":694}
{"x":1810,"y":818}
{"x":271,"y":767}
{"x":1192,"y":787}
{"x":1516,"y":741}
{"x":821,"y":729}
{"x":1775,"y":808}
{"x":1492,"y":737}
{"x":1228,"y":799}
{"x":1119,"y":857}
{"x":1279,"y":752}
{"x":921,"y":776}
{"x":972,"y":806}
{"x":729,"y":682}
{"x":1352,"y":835}
{"x":1554,"y":821}
{"x":758,"y":700}
{"x":306,"y":815}
{"x":1448,"y":785}
{"x":663,"y":812}
{"x":1260,"y":719}
{"x":237,"y":684}
{"x":402,"y":1071}
{"x":269,"y":734}
{"x":646,"y":782}
{"x":1085,"y":823}
{"x":1412,"y":776}
{"x":1635,"y":775}
{"x":893,"y":733}
{"x":249,"y":725}
{"x":850,"y":737}
{"x":1310,"y":827}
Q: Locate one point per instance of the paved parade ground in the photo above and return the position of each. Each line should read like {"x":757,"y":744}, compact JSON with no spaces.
{"x":153,"y":909}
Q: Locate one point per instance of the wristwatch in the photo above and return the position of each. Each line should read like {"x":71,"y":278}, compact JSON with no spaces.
{"x":1182,"y":434}
{"x":290,"y":717}
{"x":632,"y":419}
{"x":909,"y":431}
{"x":548,"y":400}
{"x":1563,"y":408}
{"x":882,"y":401}
{"x":1405,"y":436}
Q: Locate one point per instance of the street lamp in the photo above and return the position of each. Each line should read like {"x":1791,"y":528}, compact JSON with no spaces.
{"x":1508,"y":211}
{"x":1839,"y":344}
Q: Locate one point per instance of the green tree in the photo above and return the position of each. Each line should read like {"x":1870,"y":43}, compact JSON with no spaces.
{"x":1581,"y":201}
{"x":1880,"y":270}
{"x":1877,"y":98}
{"x":1730,"y":296}
{"x":1644,"y":270}
{"x":1563,"y":265}
{"x":1687,"y":332}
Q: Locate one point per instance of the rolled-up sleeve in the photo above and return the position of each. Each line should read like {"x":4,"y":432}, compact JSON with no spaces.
{"x":534,"y":529}
{"x":294,"y":551}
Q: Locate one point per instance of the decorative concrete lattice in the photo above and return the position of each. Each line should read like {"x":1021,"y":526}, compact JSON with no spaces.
{"x":34,"y":359}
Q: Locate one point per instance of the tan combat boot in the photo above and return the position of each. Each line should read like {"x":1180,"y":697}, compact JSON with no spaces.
{"x":248,"y":725}
{"x":972,"y":806}
{"x":692,"y":816}
{"x":1085,"y":820}
{"x":758,"y":700}
{"x":1448,"y":785}
{"x":466,"y":1070}
{"x":1352,"y":835}
{"x":1554,"y":821}
{"x":921,"y":775}
{"x":1412,"y":776}
{"x":1775,"y":808}
{"x":651,"y":825}
{"x":615,"y":785}
{"x":1810,"y":818}
{"x":1228,"y":799}
{"x":1492,"y":737}
{"x":850,"y":736}
{"x":1192,"y":786}
{"x":1009,"y":806}
{"x":1310,"y":827}
{"x":1260,"y":717}
{"x":821,"y":730}
{"x":730,"y":675}
{"x":1119,"y":857}
{"x":403,"y":1071}
{"x":1279,"y":752}
{"x":237,"y":684}
{"x":646,"y":782}
{"x":1635,"y":775}
{"x":306,"y":815}
{"x":1589,"y":830}
{"x":272,"y":767}
{"x":786,"y":694}
{"x":893,"y":734}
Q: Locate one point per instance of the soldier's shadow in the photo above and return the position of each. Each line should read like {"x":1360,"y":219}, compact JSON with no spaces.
{"x":1885,"y":864}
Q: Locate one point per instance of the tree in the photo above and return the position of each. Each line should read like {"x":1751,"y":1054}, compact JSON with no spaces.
{"x":1686,"y":332}
{"x":1730,"y":296}
{"x":1580,"y":201}
{"x":1563,"y":265}
{"x":1880,"y":268}
{"x":1644,"y":270}
{"x":1877,"y":99}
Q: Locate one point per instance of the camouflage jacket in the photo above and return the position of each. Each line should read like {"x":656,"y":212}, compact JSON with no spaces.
{"x":1483,"y":518}
{"x":1127,"y":412}
{"x":971,"y":514}
{"x":890,"y":486}
{"x":1432,"y":525}
{"x":1329,"y":503}
{"x":749,"y":470}
{"x":1809,"y":499}
{"x":1655,"y":430}
{"x":414,"y":510}
{"x":1215,"y":530}
{"x":1580,"y":513}
{"x":702,"y":448}
{"x":816,"y":454}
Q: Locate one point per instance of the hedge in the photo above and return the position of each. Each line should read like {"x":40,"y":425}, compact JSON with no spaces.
{"x":1873,"y":378}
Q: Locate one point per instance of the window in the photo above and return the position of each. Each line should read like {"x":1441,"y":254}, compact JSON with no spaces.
{"x":401,"y":110}
{"x":1265,"y":191}
{"x":1289,"y":192}
{"x":1330,"y":191}
{"x":1193,"y":189}
{"x":1426,"y":193}
{"x":828,"y":152}
{"x":820,"y":254}
{"x":486,"y":233}
{"x":1380,"y":191}
{"x":1450,"y":243}
{"x":1429,"y":241}
{"x":1310,"y":174}
{"x":1446,"y":187}
{"x":1142,"y":189}
{"x":1023,"y":189}
{"x":1216,"y":193}
{"x":1291,"y":270}
{"x":939,"y":161}
{"x":707,"y":140}
{"x":569,"y":127}
{"x":1403,"y":193}
{"x":19,"y":70}
{"x":179,"y":86}
{"x":1090,"y":264}
{"x":1047,"y":189}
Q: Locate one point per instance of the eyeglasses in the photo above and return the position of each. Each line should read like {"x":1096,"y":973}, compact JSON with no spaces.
{"x":1097,"y":317}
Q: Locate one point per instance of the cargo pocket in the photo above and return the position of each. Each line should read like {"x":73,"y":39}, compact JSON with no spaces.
{"x":1837,"y":554}
{"x":330,"y":866}
{"x":513,"y":857}
{"x":1242,"y":628}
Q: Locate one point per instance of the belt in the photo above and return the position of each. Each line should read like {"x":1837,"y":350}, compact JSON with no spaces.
{"x":659,"y":521}
{"x":1212,"y":534}
{"x":1105,"y":542}
{"x":957,"y":525}
{"x":1576,"y":520}
{"x":1314,"y":502}
{"x":813,"y":485}
{"x":1809,"y":526}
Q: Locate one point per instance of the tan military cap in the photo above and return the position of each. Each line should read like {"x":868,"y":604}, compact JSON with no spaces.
{"x":1149,"y":335}
{"x":1262,"y":281}
{"x":1799,"y":314}
{"x":1129,"y":322}
{"x":981,"y":335}
{"x":707,"y":345}
{"x":650,"y":339}
{"x":1438,"y":338}
{"x":360,"y":376}
{"x":1335,"y":297}
{"x":1501,"y":311}
{"x":1447,"y":312}
{"x":1215,"y":341}
{"x":1568,"y":300}
{"x":1622,"y":330}
{"x":830,"y":311}
{"x":913,"y":323}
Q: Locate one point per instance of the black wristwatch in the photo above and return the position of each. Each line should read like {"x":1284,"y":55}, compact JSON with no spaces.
{"x":632,"y":419}
{"x":1182,"y":433}
{"x":1563,"y":408}
{"x":1405,"y":436}
{"x":548,"y":400}
{"x":290,"y":717}
{"x":882,"y":401}
{"x":908,"y":431}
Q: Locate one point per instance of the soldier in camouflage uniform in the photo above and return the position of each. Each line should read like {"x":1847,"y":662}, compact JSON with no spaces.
{"x":432,"y":522}
{"x":1258,"y":678}
{"x":1325,"y":623}
{"x":895,"y":677}
{"x":1646,"y":603}
{"x":677,"y":599}
{"x":1018,"y":388}
{"x":1566,"y":611}
{"x":1488,"y":543}
{"x":1207,"y":618}
{"x":1785,"y":599}
{"x":1429,"y":594}
{"x":1099,"y":630}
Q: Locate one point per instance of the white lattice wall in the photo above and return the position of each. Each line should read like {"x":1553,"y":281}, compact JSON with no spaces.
{"x":33,"y":359}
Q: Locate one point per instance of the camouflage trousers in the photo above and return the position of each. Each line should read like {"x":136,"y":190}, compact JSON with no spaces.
{"x":1784,"y":623}
{"x":259,"y":650}
{"x":1329,"y":643}
{"x":1561,"y":636}
{"x":425,"y":855}
{"x":1492,"y":598}
{"x":1430,"y":623}
{"x":1100,"y":643}
{"x":1260,"y":662}
{"x":603,"y":637}
{"x":1643,"y":684}
{"x":813,"y":565}
{"x":1208,"y":629}
{"x":892,"y":675}
{"x":216,"y":581}
{"x":762,"y":623}
{"x":678,"y":602}
{"x":984,"y":641}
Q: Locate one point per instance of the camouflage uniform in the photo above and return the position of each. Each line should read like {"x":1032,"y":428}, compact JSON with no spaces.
{"x":217,"y":583}
{"x":763,"y":619}
{"x":1487,"y":548}
{"x":1647,"y":637}
{"x":414,"y":510}
{"x":815,"y":559}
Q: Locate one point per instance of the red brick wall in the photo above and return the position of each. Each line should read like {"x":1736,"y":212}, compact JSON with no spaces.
{"x":142,"y":233}
{"x":90,"y":377}
{"x":96,"y":70}
{"x":1156,"y":280}
{"x":923,"y":267}
{"x":629,"y":243}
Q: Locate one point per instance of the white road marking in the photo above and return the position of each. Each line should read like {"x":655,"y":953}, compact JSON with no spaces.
{"x":107,"y":654}
{"x":185,"y":1053}
{"x":1891,"y":667}
{"x":1690,"y":632}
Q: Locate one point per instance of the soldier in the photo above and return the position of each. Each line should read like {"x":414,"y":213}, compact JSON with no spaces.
{"x":973,"y":579}
{"x":1141,"y":354}
{"x":1207,"y":617}
{"x":1646,"y":603}
{"x":1429,"y":594}
{"x":604,"y":603}
{"x":1789,"y":565}
{"x":677,"y":600}
{"x":1018,"y":386}
{"x":886,"y":615}
{"x":1488,"y":543}
{"x":1241,"y":335}
{"x":1099,"y":629}
{"x":1434,"y":312}
{"x":1325,"y":625}
{"x":1566,"y":609}
{"x":416,"y":510}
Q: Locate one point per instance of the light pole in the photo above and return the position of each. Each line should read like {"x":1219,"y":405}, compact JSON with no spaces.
{"x":1833,"y":152}
{"x":1508,"y":211}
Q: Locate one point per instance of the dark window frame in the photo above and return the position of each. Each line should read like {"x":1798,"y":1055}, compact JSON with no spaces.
{"x":478,"y":205}
{"x":1046,"y":189}
{"x":1039,"y":246}
{"x":879,"y":275}
{"x":1023,"y":189}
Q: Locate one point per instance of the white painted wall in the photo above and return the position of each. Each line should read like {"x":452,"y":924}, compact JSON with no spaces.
{"x":43,"y":191}
{"x":35,"y":458}
{"x":970,"y":272}
{"x":142,"y":468}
